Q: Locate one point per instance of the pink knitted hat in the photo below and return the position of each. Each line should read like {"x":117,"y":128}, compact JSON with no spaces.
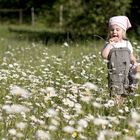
{"x":121,"y":21}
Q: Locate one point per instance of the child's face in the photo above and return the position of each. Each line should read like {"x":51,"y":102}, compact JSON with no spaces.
{"x":116,"y":33}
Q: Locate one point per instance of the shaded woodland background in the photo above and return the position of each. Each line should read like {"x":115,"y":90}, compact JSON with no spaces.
{"x":69,"y":17}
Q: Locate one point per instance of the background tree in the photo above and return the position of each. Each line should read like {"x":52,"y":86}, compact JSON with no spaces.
{"x":134,"y":15}
{"x":40,"y":6}
{"x":90,"y":16}
{"x":80,"y":16}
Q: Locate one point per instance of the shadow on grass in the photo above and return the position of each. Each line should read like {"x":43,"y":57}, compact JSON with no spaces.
{"x":48,"y":36}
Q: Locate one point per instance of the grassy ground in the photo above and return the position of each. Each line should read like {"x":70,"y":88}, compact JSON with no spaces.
{"x":59,"y":91}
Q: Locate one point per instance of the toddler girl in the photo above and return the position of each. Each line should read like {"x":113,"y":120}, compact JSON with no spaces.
{"x":117,"y":41}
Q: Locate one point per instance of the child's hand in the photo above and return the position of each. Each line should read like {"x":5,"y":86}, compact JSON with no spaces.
{"x":113,"y":40}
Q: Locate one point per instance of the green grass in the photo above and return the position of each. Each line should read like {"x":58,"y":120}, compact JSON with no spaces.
{"x":59,"y":91}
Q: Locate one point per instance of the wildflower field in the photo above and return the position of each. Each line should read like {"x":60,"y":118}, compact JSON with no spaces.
{"x":59,"y":92}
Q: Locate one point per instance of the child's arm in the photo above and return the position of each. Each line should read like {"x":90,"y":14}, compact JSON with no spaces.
{"x":134,"y":64}
{"x":108,"y":47}
{"x":133,"y":59}
{"x":106,"y":51}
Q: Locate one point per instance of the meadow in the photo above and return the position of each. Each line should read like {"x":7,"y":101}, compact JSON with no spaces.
{"x":58,"y":91}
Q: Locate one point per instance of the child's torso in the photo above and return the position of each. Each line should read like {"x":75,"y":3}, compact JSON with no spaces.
{"x":123,"y":44}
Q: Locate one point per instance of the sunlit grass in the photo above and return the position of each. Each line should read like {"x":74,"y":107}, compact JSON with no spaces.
{"x":59,"y":91}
